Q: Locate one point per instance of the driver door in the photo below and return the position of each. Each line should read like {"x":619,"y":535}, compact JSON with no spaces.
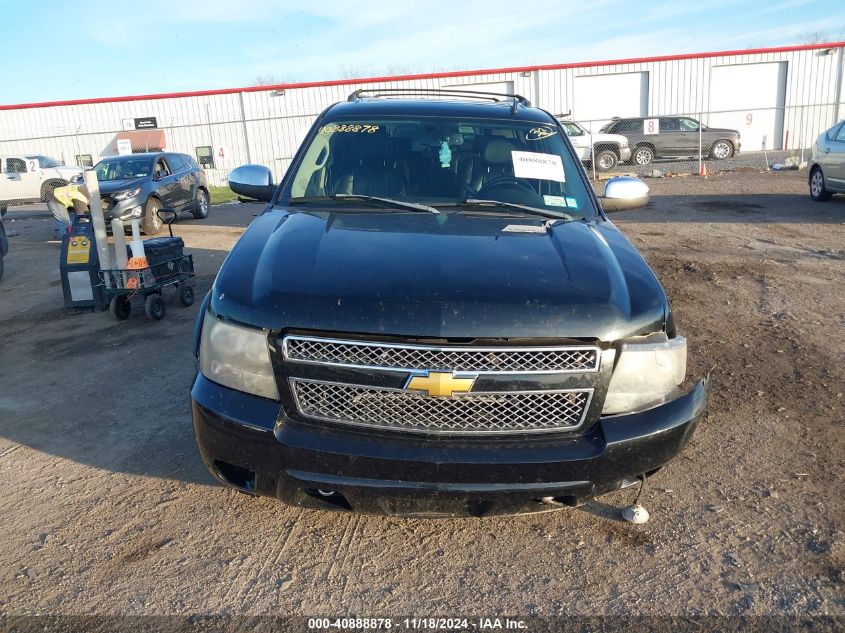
{"x":18,"y":182}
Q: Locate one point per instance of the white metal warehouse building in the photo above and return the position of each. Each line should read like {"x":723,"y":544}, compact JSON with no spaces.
{"x":778,"y":98}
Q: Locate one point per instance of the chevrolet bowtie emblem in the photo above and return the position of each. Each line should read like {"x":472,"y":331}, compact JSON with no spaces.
{"x":440,"y":383}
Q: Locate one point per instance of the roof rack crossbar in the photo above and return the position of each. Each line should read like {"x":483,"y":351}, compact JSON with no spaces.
{"x":478,"y":94}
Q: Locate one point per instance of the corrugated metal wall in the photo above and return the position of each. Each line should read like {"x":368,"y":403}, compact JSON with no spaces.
{"x":266,"y":126}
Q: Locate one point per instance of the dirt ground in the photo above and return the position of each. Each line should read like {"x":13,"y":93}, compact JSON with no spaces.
{"x":105,"y":506}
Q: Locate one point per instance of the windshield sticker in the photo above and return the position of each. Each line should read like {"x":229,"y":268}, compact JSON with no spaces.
{"x":355,"y":128}
{"x":572,"y":203}
{"x":537,"y":165}
{"x":539,"y":133}
{"x":554,"y":201}
{"x":445,"y":155}
{"x":524,"y":228}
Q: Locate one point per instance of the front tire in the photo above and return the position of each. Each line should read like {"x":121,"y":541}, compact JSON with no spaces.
{"x":152,"y":222}
{"x":120,"y":307}
{"x":154,"y":307}
{"x":721,"y":150}
{"x":201,"y":210}
{"x":186,"y":295}
{"x":606,"y":160}
{"x":643,"y":155}
{"x":818,"y":192}
{"x":3,"y":209}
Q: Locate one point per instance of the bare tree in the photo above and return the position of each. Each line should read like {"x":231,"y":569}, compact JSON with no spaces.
{"x":832,"y":34}
{"x":813,"y":37}
{"x":269,"y":80}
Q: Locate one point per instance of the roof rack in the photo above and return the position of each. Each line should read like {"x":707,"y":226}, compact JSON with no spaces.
{"x":515,"y":99}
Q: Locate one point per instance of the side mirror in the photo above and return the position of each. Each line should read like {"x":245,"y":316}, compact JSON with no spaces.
{"x":622,"y":193}
{"x":252,"y":181}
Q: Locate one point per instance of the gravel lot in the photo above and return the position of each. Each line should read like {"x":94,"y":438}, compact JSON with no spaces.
{"x":106,"y":507}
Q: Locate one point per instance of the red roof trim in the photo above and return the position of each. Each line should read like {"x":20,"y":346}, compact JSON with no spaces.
{"x":457,"y":73}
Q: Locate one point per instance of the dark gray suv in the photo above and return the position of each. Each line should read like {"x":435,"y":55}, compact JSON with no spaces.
{"x":673,"y":137}
{"x":136,"y":186}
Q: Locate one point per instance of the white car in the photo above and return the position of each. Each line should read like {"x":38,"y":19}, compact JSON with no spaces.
{"x":28,"y":179}
{"x":610,"y":149}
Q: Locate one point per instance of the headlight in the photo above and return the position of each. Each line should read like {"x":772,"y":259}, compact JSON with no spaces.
{"x":125,"y":195}
{"x":237,"y":357}
{"x":646,"y":374}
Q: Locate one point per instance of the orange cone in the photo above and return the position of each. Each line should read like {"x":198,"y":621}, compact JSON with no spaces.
{"x":702,"y":171}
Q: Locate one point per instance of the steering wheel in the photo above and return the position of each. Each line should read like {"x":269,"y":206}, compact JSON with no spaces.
{"x":505,"y":182}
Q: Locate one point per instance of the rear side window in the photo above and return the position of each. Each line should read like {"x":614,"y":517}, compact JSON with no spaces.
{"x":840,"y":136}
{"x":669,"y":124}
{"x":15,"y":166}
{"x":628,"y":125}
{"x":176,"y":163}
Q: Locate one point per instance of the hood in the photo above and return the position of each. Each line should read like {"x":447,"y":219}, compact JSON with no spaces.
{"x":112,"y":186}
{"x":723,"y":130}
{"x":68,"y":171}
{"x":441,"y":276}
{"x":610,"y":138}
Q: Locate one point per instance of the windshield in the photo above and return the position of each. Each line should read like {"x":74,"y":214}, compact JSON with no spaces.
{"x":572,"y":129}
{"x":442,"y":162}
{"x":45,"y":162}
{"x":123,"y":168}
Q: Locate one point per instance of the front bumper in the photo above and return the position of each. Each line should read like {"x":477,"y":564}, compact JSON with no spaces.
{"x":248,"y":442}
{"x":131,"y":209}
{"x":624,"y":154}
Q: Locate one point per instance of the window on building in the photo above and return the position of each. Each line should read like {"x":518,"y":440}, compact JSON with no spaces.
{"x":84,"y":160}
{"x":205,"y":156}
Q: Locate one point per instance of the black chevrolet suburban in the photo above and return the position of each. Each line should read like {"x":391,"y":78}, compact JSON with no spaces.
{"x":433,"y":316}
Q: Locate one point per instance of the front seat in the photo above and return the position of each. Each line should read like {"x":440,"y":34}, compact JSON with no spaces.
{"x":495,"y":161}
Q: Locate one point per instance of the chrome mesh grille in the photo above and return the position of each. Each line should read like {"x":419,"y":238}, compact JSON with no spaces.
{"x":417,"y":357}
{"x":467,"y":414}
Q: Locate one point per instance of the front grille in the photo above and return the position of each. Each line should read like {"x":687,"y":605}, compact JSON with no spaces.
{"x":465,"y":414}
{"x":324,"y":351}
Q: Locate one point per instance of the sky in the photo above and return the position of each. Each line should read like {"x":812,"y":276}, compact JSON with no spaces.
{"x":81,"y":49}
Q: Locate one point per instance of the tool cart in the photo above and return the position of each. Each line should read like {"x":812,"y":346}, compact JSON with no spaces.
{"x":166,"y":265}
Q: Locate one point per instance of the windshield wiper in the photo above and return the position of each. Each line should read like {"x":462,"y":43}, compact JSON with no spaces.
{"x":354,"y":196}
{"x":473,"y":202}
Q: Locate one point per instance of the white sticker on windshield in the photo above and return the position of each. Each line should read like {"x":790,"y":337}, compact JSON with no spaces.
{"x":537,"y":165}
{"x":554,"y":201}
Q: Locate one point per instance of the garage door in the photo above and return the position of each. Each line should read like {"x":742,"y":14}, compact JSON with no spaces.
{"x":598,"y":98}
{"x":754,"y":92}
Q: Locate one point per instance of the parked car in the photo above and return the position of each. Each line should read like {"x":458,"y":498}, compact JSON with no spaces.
{"x":434,"y":315}
{"x":4,"y":247}
{"x":608,"y":149}
{"x":138,"y":185}
{"x":827,"y":164}
{"x":673,"y":137}
{"x":28,"y":179}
